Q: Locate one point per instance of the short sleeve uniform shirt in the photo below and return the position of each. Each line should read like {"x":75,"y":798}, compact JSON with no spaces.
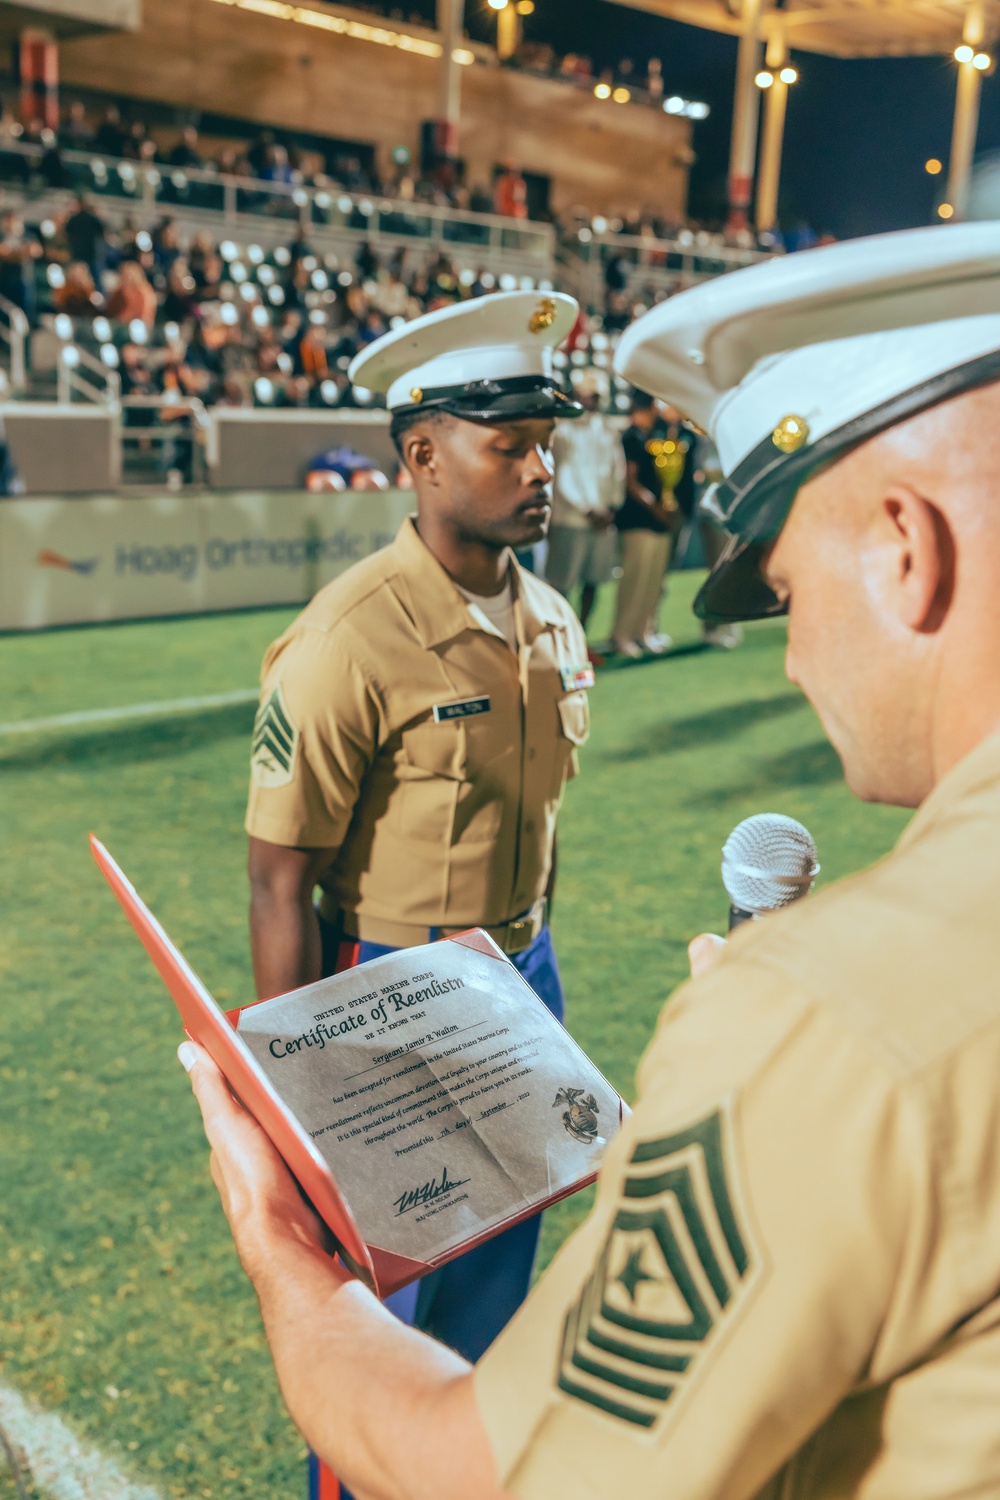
{"x":789,"y":1287}
{"x":399,"y":729}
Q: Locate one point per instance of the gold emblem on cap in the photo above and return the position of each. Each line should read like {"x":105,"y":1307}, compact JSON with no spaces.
{"x":543,"y":316}
{"x":416,"y":395}
{"x":790,"y":433}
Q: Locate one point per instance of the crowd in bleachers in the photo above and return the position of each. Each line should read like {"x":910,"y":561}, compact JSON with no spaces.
{"x":260,"y":158}
{"x":243,"y":324}
{"x":229,"y":323}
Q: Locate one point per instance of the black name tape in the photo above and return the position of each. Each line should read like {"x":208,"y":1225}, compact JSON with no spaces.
{"x":467,"y":709}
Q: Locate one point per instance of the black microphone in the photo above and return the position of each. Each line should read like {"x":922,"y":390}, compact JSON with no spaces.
{"x":768,"y":862}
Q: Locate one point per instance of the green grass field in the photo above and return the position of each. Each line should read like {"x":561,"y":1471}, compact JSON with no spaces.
{"x":122,"y":1305}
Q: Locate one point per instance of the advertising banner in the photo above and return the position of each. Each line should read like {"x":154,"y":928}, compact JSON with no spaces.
{"x":76,"y":561}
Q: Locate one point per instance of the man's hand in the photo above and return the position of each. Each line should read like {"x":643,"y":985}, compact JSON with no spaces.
{"x":259,"y":1195}
{"x":386,"y":1408}
{"x":703,"y":952}
{"x":600,"y":519}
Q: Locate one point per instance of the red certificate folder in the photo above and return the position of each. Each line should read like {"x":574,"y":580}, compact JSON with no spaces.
{"x":215,"y":1030}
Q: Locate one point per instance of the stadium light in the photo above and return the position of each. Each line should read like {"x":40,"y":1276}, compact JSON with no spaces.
{"x":789,"y":75}
{"x":498,"y":4}
{"x":982,"y":61}
{"x":764,"y":79}
{"x":964,"y":53}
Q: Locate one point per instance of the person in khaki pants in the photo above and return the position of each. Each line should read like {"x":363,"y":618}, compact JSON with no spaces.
{"x":645,"y":523}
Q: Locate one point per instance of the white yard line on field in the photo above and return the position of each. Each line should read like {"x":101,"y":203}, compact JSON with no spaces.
{"x":63,"y":1465}
{"x":87,"y":716}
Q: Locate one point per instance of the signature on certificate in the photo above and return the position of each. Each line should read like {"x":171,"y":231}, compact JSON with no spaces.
{"x":419,"y":1197}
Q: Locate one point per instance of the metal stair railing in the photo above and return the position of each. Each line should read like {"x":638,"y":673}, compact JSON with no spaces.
{"x":70,"y":380}
{"x":14,"y":330}
{"x":166,"y":431}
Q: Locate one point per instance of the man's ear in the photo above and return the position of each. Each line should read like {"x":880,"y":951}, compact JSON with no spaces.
{"x":420,"y":455}
{"x":921,"y":553}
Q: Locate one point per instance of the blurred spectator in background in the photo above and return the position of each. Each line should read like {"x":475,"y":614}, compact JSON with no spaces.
{"x":78,"y":296}
{"x":706,"y":470}
{"x":186,"y":152}
{"x":86,"y":238}
{"x":589,"y":487}
{"x":133,"y":298}
{"x":110,"y":137}
{"x":277,"y":167}
{"x":510,"y":194}
{"x":646,"y":522}
{"x":75,"y":133}
{"x":18,"y":253}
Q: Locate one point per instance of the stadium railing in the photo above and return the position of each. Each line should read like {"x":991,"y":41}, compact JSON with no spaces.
{"x":221,"y":204}
{"x":662,"y":266}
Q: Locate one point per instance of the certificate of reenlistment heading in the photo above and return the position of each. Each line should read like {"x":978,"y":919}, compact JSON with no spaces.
{"x":443,"y":1094}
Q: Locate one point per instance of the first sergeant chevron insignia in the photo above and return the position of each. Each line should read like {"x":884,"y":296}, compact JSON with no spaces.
{"x":676,"y":1265}
{"x":275,"y":742}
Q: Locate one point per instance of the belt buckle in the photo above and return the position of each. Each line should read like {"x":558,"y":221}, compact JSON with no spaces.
{"x":516,"y":931}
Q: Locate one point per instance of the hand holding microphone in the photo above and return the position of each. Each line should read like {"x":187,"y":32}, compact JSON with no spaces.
{"x":768,"y":862}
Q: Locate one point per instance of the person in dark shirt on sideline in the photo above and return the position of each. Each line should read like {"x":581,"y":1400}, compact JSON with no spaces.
{"x":646,"y":521}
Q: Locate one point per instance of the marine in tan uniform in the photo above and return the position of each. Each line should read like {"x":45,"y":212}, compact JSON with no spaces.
{"x":789,"y":1287}
{"x":420,"y":719}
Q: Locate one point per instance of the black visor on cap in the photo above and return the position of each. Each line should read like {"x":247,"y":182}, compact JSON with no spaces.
{"x":753,"y":502}
{"x":506,"y":400}
{"x":736,"y":588}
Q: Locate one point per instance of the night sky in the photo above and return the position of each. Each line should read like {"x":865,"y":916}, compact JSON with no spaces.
{"x":858,"y":132}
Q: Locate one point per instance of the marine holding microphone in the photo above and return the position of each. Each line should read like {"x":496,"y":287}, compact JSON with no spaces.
{"x":789,"y":1285}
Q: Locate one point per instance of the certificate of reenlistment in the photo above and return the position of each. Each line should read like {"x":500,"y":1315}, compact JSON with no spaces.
{"x":444,"y":1096}
{"x":424,"y":1101}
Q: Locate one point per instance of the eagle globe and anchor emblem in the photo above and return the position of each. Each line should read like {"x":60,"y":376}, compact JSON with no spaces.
{"x":580,"y":1115}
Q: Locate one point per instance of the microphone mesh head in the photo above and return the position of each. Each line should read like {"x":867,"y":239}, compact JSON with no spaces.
{"x":768,"y":861}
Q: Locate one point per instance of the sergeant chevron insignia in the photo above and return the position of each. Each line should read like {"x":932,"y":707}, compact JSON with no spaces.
{"x":675,"y":1267}
{"x":275,"y":742}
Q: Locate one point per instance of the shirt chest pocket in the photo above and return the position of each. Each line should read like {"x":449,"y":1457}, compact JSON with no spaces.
{"x":573,"y":728}
{"x":574,"y":718}
{"x":455,"y":780}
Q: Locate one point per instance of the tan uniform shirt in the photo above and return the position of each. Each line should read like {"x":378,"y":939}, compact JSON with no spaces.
{"x":399,"y":730}
{"x":790,"y":1284}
